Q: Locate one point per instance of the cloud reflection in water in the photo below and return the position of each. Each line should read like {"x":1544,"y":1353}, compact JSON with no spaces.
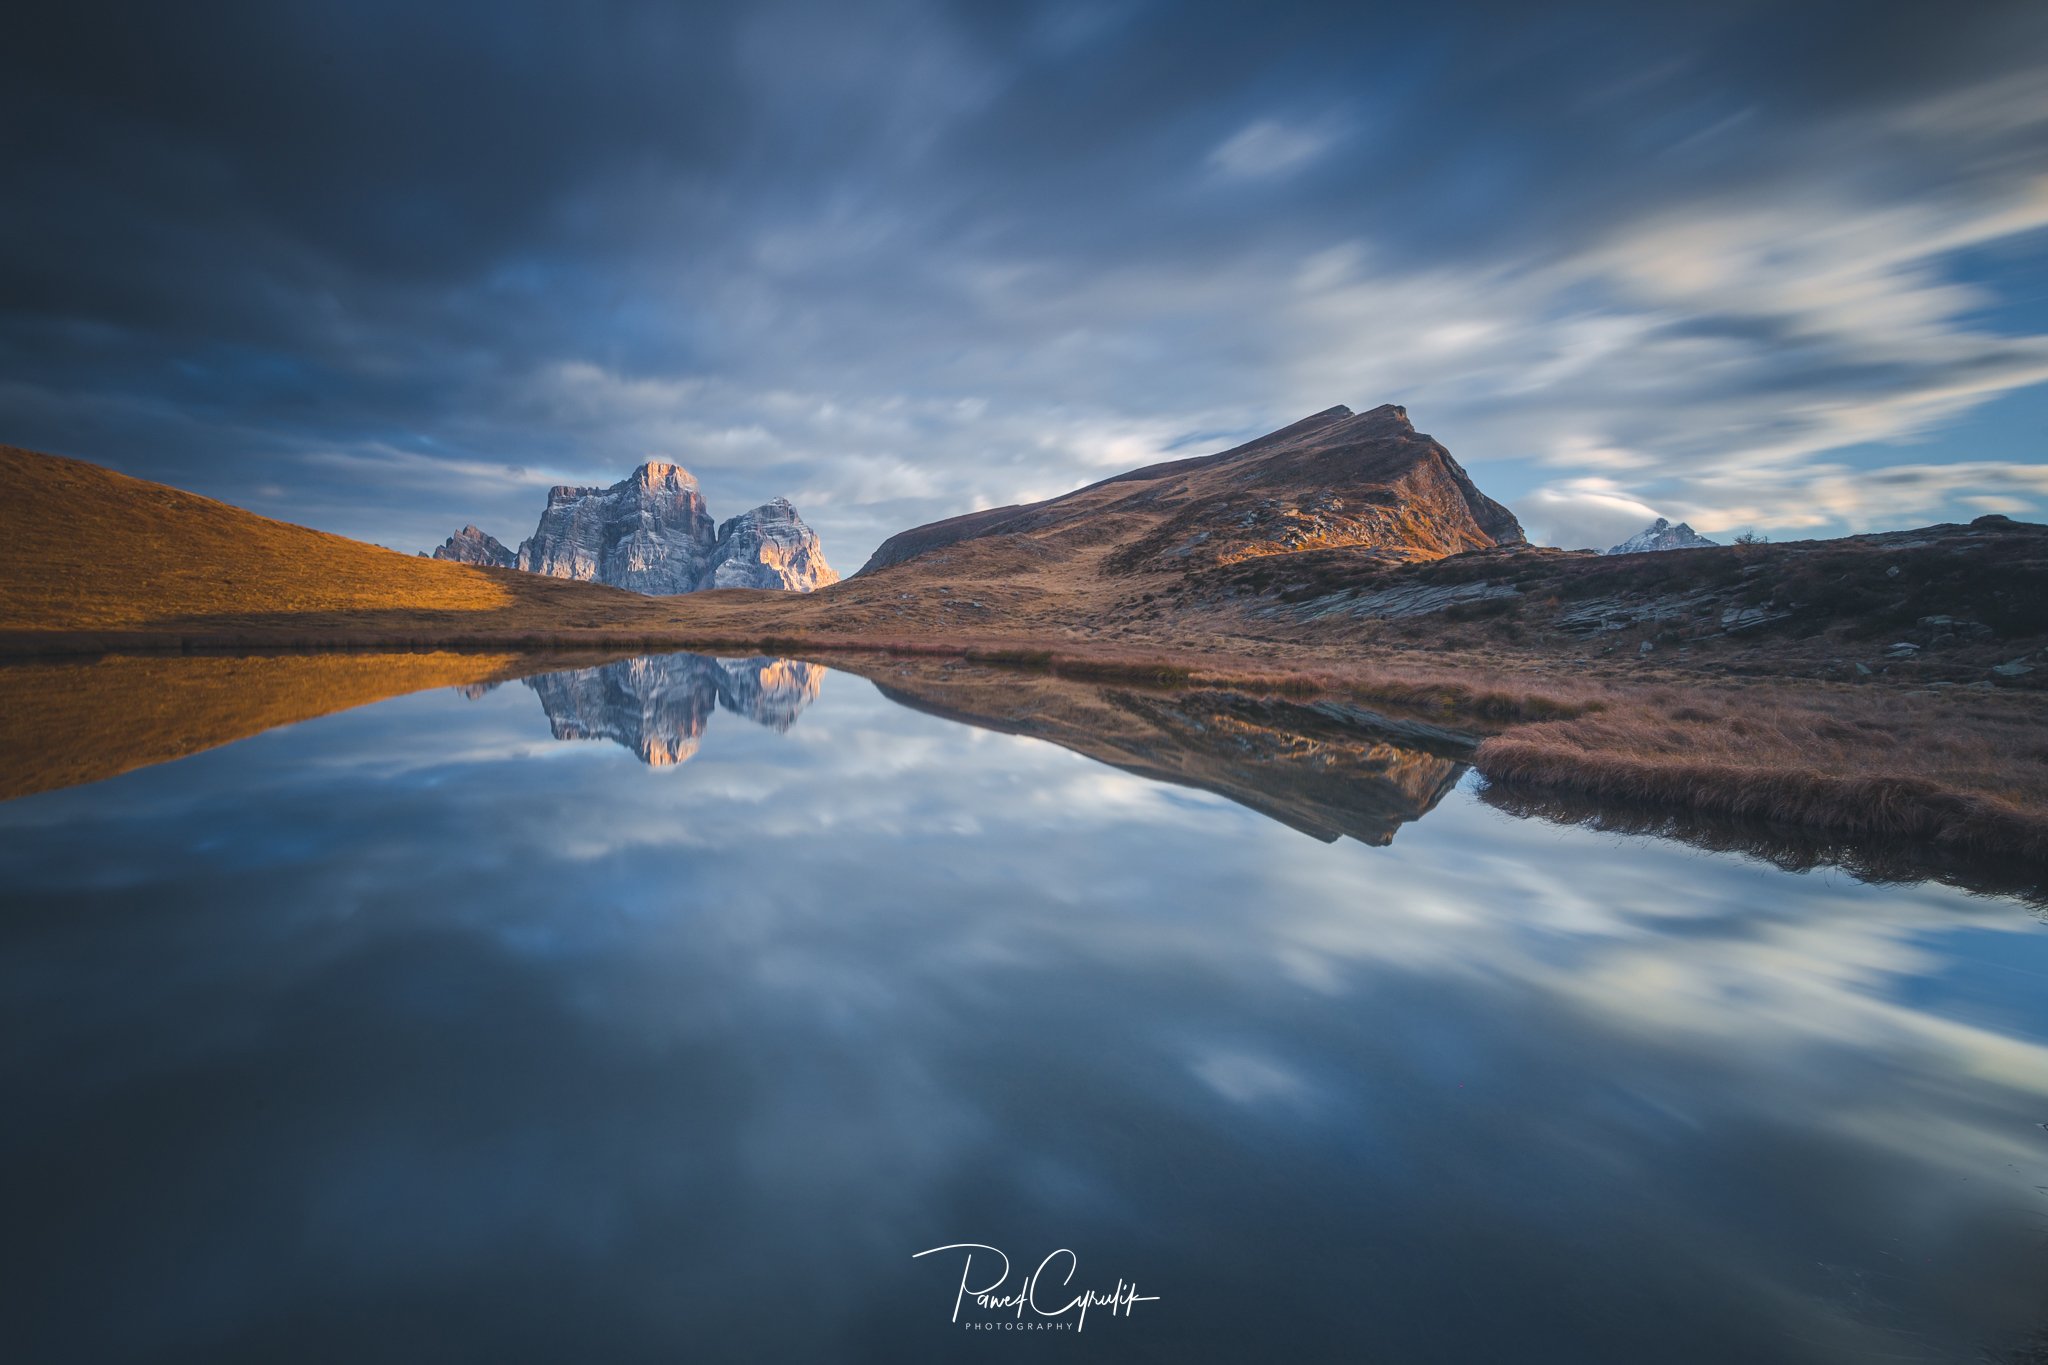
{"x":409,"y":1031}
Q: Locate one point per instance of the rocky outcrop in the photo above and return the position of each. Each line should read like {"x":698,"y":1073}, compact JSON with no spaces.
{"x":1367,"y":482}
{"x":471,"y":546}
{"x":1662,"y":535}
{"x":658,"y":706}
{"x":769,"y":547}
{"x":649,"y":533}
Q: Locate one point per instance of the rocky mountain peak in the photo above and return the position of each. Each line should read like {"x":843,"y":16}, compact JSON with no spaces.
{"x":1661,"y":535}
{"x":647,"y":533}
{"x":774,"y":510}
{"x":472,"y":546}
{"x":652,"y":533}
{"x":1367,"y":482}
{"x":769,"y":547}
{"x":662,"y":474}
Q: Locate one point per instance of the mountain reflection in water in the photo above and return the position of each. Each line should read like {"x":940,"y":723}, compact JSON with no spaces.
{"x":658,"y":706}
{"x":1325,"y":769}
{"x":412,"y":1034}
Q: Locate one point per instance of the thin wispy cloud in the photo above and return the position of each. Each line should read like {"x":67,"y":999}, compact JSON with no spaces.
{"x":1271,"y":148}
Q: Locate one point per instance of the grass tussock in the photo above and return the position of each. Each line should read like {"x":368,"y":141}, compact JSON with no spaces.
{"x":1953,"y":771}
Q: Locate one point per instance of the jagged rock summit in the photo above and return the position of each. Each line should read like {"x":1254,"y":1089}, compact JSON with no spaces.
{"x":1367,"y":482}
{"x":652,"y":533}
{"x":471,"y":546}
{"x":1662,"y":535}
{"x":769,"y":547}
{"x":647,"y":533}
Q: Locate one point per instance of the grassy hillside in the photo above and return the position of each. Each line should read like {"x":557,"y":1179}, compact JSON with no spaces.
{"x":1368,"y":481}
{"x":84,"y":548}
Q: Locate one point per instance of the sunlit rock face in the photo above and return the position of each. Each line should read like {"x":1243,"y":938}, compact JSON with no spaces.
{"x":769,"y":547}
{"x":658,"y":707}
{"x":471,"y":546}
{"x":649,"y":533}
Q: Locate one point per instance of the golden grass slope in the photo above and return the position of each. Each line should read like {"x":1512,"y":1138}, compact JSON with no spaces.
{"x":84,"y":548}
{"x":92,"y":560}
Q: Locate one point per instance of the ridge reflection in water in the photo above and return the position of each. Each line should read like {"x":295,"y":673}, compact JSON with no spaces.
{"x":409,"y":1033}
{"x":1324,"y":769}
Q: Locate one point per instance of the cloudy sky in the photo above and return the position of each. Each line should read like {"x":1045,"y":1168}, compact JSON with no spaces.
{"x":384,"y":269}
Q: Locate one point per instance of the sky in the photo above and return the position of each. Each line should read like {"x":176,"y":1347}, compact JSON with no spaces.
{"x":386,"y":269}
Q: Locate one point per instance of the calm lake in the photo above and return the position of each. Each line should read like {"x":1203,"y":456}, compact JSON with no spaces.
{"x":665,"y":1010}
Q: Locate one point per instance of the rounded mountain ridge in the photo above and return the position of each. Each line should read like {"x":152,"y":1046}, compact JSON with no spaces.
{"x":1336,"y":478}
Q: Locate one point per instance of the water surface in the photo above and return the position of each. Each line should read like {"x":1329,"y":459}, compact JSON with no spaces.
{"x":663,"y":1010}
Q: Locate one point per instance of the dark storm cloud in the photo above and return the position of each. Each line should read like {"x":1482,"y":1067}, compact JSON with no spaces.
{"x":390,"y":268}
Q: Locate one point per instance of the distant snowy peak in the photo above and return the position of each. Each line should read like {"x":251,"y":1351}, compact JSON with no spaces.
{"x":1662,"y":535}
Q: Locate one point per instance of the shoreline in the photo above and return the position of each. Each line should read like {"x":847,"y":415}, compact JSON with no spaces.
{"x":1581,"y":740}
{"x":1891,"y":685}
